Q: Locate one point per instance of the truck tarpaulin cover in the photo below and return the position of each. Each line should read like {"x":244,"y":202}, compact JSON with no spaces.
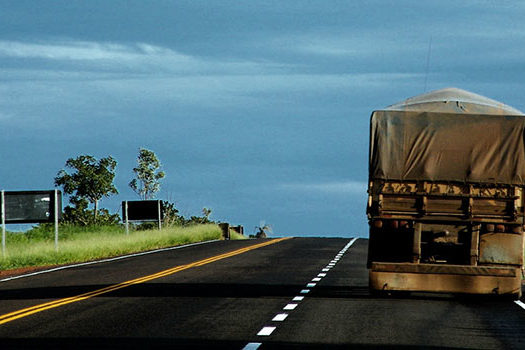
{"x":435,"y":146}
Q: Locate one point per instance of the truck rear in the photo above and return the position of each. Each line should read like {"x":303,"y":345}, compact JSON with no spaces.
{"x":445,"y":196}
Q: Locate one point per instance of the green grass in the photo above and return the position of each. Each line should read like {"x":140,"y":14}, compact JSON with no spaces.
{"x":235,"y":236}
{"x":36,"y":248}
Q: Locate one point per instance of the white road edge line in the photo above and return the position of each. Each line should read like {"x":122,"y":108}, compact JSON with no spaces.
{"x":105,"y":260}
{"x":520,"y":304}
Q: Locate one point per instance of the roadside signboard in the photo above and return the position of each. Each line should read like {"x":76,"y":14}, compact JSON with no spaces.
{"x":28,"y":207}
{"x":147,"y":210}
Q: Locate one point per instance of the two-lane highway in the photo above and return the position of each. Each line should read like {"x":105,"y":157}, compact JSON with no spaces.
{"x":295,"y":293}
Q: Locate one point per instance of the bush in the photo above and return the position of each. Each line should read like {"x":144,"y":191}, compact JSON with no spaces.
{"x":80,"y":215}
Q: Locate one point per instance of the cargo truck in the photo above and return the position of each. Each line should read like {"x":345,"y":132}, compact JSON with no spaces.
{"x":446,"y":195}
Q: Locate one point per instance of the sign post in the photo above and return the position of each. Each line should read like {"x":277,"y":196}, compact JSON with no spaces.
{"x":126,"y":216}
{"x":3,"y":224}
{"x":159,"y":214}
{"x":56,"y":220}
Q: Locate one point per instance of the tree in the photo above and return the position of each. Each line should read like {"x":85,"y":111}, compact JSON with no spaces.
{"x":206,"y":212}
{"x":148,"y":176}
{"x":262,"y":230}
{"x":78,"y":214}
{"x":91,"y":179}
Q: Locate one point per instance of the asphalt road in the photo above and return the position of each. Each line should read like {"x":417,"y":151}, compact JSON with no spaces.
{"x":240,"y":302}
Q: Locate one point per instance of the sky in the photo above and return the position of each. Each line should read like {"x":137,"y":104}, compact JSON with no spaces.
{"x":258,"y":110}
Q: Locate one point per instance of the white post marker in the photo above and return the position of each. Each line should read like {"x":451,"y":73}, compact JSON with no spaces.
{"x":56,"y":220}
{"x":3,"y":223}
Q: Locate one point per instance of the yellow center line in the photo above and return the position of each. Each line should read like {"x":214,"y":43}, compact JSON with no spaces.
{"x":60,"y":302}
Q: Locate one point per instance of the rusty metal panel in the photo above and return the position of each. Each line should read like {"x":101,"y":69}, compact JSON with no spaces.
{"x":445,"y":205}
{"x":501,"y":248}
{"x":437,"y":269}
{"x":408,"y":204}
{"x":490,"y":206}
{"x":445,"y":283}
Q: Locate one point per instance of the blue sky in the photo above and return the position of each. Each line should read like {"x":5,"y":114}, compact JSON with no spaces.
{"x":258,"y":110}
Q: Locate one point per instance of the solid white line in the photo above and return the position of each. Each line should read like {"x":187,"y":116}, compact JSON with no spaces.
{"x":298,"y":298}
{"x":305,"y":291}
{"x":290,"y":307}
{"x":520,"y":304}
{"x":266,"y":331}
{"x":280,"y":317}
{"x":252,"y":346}
{"x":105,"y":260}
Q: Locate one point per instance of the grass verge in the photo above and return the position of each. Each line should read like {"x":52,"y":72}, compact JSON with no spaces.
{"x":235,"y":236}
{"x":75,"y":247}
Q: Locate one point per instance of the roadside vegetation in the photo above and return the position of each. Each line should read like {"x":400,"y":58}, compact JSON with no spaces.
{"x":37,"y":248}
{"x":88,"y":232}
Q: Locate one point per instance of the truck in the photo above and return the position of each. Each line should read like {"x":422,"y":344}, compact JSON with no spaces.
{"x":446,"y":196}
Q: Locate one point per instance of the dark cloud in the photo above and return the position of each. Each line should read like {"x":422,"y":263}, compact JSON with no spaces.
{"x":259,"y":110}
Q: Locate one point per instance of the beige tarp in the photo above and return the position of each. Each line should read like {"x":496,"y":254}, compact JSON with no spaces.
{"x":453,"y":100}
{"x":418,"y":145}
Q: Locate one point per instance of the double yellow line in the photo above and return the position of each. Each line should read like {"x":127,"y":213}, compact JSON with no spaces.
{"x":61,"y":302}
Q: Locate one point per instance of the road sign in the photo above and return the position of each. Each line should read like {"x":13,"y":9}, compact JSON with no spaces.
{"x":148,"y":210}
{"x":28,"y":207}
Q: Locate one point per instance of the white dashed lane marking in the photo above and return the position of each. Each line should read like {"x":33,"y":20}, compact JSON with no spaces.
{"x":268,"y":330}
{"x":290,"y":307}
{"x":280,"y":317}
